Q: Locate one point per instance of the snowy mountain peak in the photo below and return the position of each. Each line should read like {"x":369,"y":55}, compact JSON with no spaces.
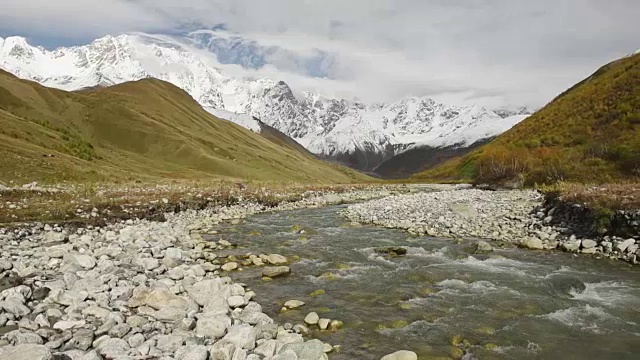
{"x":326,"y":126}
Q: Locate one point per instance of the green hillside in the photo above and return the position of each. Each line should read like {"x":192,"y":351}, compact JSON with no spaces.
{"x":141,"y":130}
{"x":589,"y":133}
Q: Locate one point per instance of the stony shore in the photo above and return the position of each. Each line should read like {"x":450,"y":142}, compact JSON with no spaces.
{"x":520,"y":217}
{"x":142,"y":289}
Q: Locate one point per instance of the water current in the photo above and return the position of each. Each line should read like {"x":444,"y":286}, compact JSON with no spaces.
{"x":508,"y":304}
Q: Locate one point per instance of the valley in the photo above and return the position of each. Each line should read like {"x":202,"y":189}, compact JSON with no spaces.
{"x":165,"y":195}
{"x":358,"y":135}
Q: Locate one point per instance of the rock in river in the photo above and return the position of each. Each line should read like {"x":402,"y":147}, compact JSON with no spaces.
{"x":401,"y":355}
{"x":275,"y":271}
{"x":532,"y":243}
{"x":293,"y":304}
{"x":483,"y":247}
{"x":392,"y":250}
{"x":276,"y":259}
{"x":312,"y":318}
{"x":230,"y":266}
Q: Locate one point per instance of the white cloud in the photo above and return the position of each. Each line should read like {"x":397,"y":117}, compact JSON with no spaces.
{"x":504,"y":52}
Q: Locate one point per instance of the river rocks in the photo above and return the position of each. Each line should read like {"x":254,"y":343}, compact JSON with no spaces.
{"x":148,"y":263}
{"x":243,"y":336}
{"x":170,"y":314}
{"x":26,"y":352}
{"x":391,"y":251}
{"x":54,"y":237}
{"x":275,"y":271}
{"x":588,"y":244}
{"x":83,"y":261}
{"x":67,"y":325}
{"x":519,"y":216}
{"x":310,"y":350}
{"x":192,"y":352}
{"x":204,"y":291}
{"x":453,"y":213}
{"x":157,"y":298}
{"x":230,"y":266}
{"x":236,"y":301}
{"x":571,"y":245}
{"x":623,"y":245}
{"x":335,"y":325}
{"x":464,"y":209}
{"x":293,"y":304}
{"x":169,"y":343}
{"x":110,"y":347}
{"x":214,"y":327}
{"x":119,"y":331}
{"x":532,"y":243}
{"x":401,"y":355}
{"x":139,"y":290}
{"x":18,"y":337}
{"x":323,"y":324}
{"x":82,"y":340}
{"x":275,"y":259}
{"x":483,"y":247}
{"x":267,"y":348}
{"x":15,"y":306}
{"x":312,"y":318}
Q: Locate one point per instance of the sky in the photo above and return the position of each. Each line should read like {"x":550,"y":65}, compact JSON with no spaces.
{"x":491,"y":52}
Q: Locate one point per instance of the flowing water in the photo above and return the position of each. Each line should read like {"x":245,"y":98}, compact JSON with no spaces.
{"x":510,"y":304}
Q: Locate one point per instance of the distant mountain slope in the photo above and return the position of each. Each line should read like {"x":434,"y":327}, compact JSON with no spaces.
{"x":421,"y":158}
{"x":358,"y":134}
{"x":591,"y":132}
{"x":142,"y":129}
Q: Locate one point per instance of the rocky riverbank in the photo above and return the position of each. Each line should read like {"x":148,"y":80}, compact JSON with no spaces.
{"x":519,"y":217}
{"x":142,"y":289}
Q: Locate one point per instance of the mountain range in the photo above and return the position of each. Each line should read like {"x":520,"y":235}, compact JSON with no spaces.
{"x":357,"y":134}
{"x":143,"y":130}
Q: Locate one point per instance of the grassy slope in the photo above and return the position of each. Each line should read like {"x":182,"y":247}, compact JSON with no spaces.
{"x":140,"y":130}
{"x":589,"y":133}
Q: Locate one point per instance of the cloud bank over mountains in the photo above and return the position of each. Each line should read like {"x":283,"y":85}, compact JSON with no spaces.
{"x":489,"y":52}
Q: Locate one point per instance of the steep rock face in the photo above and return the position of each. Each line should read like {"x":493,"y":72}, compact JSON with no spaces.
{"x":361,"y":135}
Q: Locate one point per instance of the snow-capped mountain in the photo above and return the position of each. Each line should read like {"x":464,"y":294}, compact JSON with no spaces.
{"x":334,"y":128}
{"x":509,"y":112}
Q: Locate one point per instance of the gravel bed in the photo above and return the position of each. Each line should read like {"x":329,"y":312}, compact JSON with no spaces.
{"x":516,"y":216}
{"x":141,"y":289}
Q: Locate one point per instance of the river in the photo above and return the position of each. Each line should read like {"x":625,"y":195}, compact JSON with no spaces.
{"x":508,"y":304}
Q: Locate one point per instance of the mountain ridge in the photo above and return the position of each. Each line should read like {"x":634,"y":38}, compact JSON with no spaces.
{"x":135,"y":130}
{"x":331,"y":128}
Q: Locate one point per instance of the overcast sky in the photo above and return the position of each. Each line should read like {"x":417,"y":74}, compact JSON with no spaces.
{"x":494,"y":52}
